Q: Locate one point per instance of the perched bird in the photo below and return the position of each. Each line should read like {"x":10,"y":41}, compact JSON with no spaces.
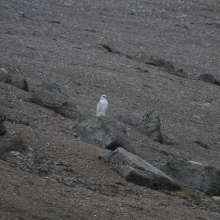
{"x":102,"y":106}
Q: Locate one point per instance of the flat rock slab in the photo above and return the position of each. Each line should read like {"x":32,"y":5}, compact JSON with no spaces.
{"x":105,"y":132}
{"x":148,"y":124}
{"x":50,"y":96}
{"x":10,"y":142}
{"x":136,"y":170}
{"x":204,"y":178}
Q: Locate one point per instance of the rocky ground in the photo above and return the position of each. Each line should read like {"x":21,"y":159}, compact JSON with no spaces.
{"x":144,"y":55}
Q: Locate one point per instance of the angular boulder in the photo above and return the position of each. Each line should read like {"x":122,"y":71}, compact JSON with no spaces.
{"x":148,"y":124}
{"x":2,"y":126}
{"x":136,"y":170}
{"x":50,"y":96}
{"x":105,"y":132}
{"x":15,"y":80}
{"x":204,"y":178}
{"x":10,"y":142}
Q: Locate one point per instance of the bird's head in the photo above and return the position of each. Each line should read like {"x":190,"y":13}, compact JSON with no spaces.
{"x":103,"y":97}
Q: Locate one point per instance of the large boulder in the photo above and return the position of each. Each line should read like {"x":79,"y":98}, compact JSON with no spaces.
{"x":136,"y":170}
{"x":148,"y":124}
{"x":105,"y":132}
{"x":2,"y":127}
{"x":50,"y":96}
{"x":10,"y":142}
{"x":15,"y":80}
{"x":204,"y":178}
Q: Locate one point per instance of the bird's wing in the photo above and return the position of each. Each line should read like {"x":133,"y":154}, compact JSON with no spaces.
{"x":99,"y":106}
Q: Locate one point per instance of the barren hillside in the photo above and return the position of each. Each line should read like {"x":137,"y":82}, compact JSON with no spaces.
{"x":144,"y":55}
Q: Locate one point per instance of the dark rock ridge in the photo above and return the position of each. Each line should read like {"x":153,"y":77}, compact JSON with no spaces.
{"x":150,"y":60}
{"x":105,"y":132}
{"x":209,"y":79}
{"x":50,"y":96}
{"x":2,"y":126}
{"x":136,"y":170}
{"x":15,"y":80}
{"x":204,"y":178}
{"x":201,"y":144}
{"x":109,"y":49}
{"x":158,"y":62}
{"x":148,"y":124}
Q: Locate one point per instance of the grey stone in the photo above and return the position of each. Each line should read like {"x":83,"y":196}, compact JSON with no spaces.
{"x":204,"y":178}
{"x":42,"y":169}
{"x":24,"y":121}
{"x":10,"y":142}
{"x":170,"y":139}
{"x":136,"y":170}
{"x":30,"y":46}
{"x":105,"y":132}
{"x":148,"y":124}
{"x":50,"y":96}
{"x":15,"y":80}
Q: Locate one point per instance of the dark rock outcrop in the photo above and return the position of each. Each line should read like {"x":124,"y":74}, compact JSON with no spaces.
{"x":208,"y":78}
{"x":148,"y":124}
{"x":204,"y":178}
{"x":158,"y":62}
{"x":15,"y":80}
{"x":201,"y":144}
{"x":2,"y":126}
{"x":105,"y":132}
{"x":50,"y":96}
{"x":136,"y":170}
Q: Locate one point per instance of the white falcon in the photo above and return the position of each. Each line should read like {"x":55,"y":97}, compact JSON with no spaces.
{"x":102,"y":106}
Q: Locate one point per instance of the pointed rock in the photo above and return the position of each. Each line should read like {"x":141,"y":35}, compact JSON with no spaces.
{"x":136,"y":170}
{"x":148,"y":124}
{"x":105,"y":132}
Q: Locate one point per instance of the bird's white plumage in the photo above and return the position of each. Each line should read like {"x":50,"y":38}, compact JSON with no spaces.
{"x":102,"y":106}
